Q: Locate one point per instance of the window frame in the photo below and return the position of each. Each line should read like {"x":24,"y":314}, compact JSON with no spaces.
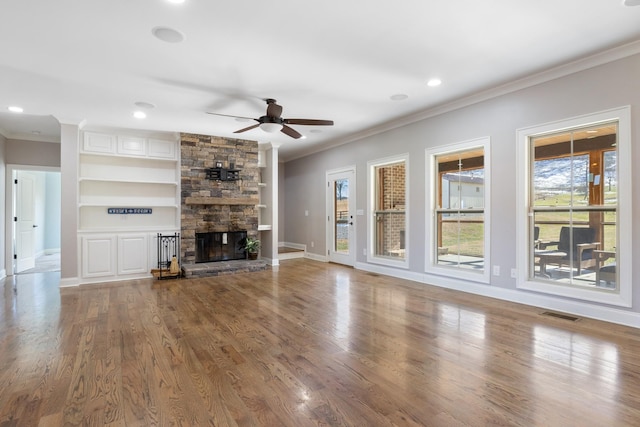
{"x":431,"y":208}
{"x":623,"y":296}
{"x":371,"y":200}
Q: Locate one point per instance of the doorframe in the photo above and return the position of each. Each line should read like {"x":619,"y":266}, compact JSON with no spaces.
{"x":10,"y":196}
{"x":352,"y":209}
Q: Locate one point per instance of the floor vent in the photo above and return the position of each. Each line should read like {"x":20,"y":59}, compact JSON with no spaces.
{"x":373,"y":274}
{"x":560,"y":316}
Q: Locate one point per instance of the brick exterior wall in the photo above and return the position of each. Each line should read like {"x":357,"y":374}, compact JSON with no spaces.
{"x":391,"y":187}
{"x":199,"y":153}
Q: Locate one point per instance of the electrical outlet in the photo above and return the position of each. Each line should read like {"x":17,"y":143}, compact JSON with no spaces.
{"x":306,"y":213}
{"x":514,"y":273}
{"x":496,"y":270}
{"x":364,"y":252}
{"x":312,"y":243}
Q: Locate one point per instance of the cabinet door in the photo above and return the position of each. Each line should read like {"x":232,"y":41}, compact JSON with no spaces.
{"x":132,"y":146}
{"x":132,"y":254}
{"x":98,"y":256}
{"x":162,"y":149}
{"x":99,"y":143}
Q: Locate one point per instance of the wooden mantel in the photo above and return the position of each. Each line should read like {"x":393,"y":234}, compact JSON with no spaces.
{"x":250,"y":201}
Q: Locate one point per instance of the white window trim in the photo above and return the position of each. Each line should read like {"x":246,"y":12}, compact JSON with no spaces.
{"x":623,"y":298}
{"x":371,"y":191}
{"x":431,"y":187}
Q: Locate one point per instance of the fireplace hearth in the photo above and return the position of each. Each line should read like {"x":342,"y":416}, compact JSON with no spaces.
{"x":220,"y":246}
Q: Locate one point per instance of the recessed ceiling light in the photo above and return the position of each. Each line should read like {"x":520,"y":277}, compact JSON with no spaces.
{"x":139,"y":114}
{"x":631,"y":2}
{"x":176,"y":1}
{"x":434,"y":82}
{"x":167,"y":34}
{"x":15,"y":109}
{"x":35,"y":132}
{"x":315,"y":131}
{"x":399,"y":97}
{"x":145,"y":105}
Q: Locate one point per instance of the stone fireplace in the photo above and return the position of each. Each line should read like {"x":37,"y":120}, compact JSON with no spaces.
{"x":210,"y":205}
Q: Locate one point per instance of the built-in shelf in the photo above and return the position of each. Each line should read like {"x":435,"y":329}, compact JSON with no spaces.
{"x":262,"y":184}
{"x":264,"y":227}
{"x":262,"y":206}
{"x":221,"y":201}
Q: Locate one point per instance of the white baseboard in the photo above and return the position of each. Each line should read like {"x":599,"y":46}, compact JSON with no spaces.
{"x":291,"y":245}
{"x":316,"y":257}
{"x":69,"y":282}
{"x":534,"y":299}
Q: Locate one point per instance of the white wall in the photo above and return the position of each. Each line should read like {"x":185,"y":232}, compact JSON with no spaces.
{"x":611,"y":85}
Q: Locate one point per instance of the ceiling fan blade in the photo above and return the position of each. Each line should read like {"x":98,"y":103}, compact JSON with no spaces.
{"x":310,"y":122}
{"x":229,"y":115}
{"x":247,"y":128}
{"x":273,"y":109}
{"x":291,"y":132}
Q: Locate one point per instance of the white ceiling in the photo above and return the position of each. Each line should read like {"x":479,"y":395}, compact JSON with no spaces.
{"x":334,"y":59}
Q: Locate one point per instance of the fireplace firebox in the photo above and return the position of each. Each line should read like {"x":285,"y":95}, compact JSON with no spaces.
{"x":220,"y":246}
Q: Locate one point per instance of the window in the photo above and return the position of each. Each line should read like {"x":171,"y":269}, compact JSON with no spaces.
{"x":575,"y":208}
{"x":459,"y":194}
{"x":388,"y":201}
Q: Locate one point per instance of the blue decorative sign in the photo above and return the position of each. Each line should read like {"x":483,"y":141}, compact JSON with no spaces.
{"x":127,"y":211}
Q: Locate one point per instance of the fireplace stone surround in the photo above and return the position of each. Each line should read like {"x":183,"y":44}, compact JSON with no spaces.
{"x":217,"y":206}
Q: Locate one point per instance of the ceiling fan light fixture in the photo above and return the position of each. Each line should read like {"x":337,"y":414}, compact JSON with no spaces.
{"x":271,"y":127}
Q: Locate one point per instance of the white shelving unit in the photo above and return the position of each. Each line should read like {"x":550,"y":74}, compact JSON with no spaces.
{"x":264,"y":215}
{"x":268,"y":205}
{"x":125,"y":172}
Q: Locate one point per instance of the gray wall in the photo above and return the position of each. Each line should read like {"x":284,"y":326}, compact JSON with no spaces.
{"x":33,"y":153}
{"x":3,"y":173}
{"x":52,"y":211}
{"x":611,"y":85}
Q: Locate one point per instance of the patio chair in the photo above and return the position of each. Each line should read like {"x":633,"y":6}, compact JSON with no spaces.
{"x":581,"y":254}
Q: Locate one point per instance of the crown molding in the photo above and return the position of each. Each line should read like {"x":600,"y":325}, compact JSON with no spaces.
{"x":563,"y":70}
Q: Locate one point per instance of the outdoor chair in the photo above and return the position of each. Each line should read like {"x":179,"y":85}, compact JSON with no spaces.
{"x":576,"y":250}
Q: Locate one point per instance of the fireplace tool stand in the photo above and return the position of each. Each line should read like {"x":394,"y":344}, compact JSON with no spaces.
{"x":169,"y":266}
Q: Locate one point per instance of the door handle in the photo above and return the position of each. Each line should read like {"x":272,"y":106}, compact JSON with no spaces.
{"x":34,"y":226}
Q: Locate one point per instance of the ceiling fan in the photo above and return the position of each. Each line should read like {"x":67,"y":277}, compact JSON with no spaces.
{"x":272,"y":122}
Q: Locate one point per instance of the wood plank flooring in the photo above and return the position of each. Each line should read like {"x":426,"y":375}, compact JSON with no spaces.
{"x":310,"y":344}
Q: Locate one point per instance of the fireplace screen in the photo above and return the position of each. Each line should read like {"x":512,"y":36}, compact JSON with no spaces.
{"x":220,"y":246}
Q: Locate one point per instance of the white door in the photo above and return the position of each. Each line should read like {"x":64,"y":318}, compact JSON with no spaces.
{"x":341,"y":198}
{"x":25,"y":217}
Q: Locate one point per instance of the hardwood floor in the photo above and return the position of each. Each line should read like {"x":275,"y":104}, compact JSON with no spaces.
{"x":310,"y":344}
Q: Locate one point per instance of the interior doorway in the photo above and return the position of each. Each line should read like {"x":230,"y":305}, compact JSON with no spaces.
{"x":33,"y":218}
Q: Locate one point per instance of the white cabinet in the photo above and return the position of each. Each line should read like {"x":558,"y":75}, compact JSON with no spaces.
{"x":98,"y":256}
{"x":99,"y":143}
{"x":161,"y":149}
{"x":108,"y":257}
{"x":132,"y":254}
{"x":128,"y":190}
{"x":132,"y":146}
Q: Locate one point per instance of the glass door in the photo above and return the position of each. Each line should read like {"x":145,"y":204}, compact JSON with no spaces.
{"x":341,"y":216}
